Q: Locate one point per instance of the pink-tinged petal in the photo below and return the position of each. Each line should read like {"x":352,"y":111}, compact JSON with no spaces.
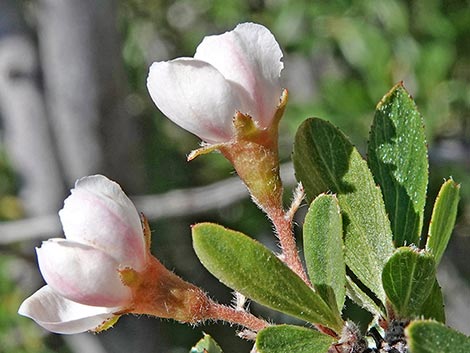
{"x":58,"y":314}
{"x":82,"y":273}
{"x":250,"y":57}
{"x":194,"y":95}
{"x":98,"y":213}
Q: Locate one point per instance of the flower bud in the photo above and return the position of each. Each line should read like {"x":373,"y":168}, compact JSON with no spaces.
{"x":230,"y":96}
{"x":103,"y":268}
{"x":238,"y":71}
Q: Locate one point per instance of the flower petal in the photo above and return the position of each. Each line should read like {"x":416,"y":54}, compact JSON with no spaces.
{"x":58,"y":314}
{"x":98,"y":213}
{"x":250,"y":57}
{"x":194,"y":95}
{"x":82,"y":273}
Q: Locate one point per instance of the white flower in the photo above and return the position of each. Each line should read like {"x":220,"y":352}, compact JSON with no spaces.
{"x":103,"y":236}
{"x":238,"y":71}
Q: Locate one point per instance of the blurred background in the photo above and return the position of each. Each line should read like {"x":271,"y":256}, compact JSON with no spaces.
{"x":73,"y":102}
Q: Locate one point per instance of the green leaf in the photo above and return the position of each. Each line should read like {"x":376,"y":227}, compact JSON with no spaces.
{"x":356,"y":294}
{"x":443,"y":219}
{"x":206,"y":345}
{"x":323,"y":248}
{"x":292,"y":339}
{"x":250,"y":268}
{"x":397,"y":156}
{"x":325,"y":160}
{"x":433,"y":337}
{"x":433,"y":307}
{"x":408,"y":278}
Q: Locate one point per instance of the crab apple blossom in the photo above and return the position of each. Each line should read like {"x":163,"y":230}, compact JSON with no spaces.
{"x":103,"y":268}
{"x":230,"y":95}
{"x":238,"y":71}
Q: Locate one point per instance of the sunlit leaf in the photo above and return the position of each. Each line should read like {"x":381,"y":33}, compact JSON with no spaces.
{"x":323,"y":248}
{"x":206,"y":345}
{"x":357,"y":295}
{"x":325,"y":161}
{"x":397,"y":156}
{"x":292,"y":339}
{"x":433,"y":337}
{"x":443,"y":219}
{"x":250,"y":268}
{"x":433,"y":307}
{"x":408,"y":278}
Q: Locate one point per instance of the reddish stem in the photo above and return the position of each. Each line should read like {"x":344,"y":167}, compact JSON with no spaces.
{"x":254,"y":154}
{"x":240,"y":317}
{"x":290,"y":255}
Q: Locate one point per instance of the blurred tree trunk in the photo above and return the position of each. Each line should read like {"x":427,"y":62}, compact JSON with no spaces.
{"x":86,"y":88}
{"x":27,"y":137}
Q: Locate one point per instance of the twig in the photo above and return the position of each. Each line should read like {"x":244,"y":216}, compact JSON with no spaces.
{"x":175,"y":203}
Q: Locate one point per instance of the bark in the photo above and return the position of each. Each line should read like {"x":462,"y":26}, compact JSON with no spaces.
{"x":85,"y":89}
{"x":26,"y":132}
{"x":28,"y":139}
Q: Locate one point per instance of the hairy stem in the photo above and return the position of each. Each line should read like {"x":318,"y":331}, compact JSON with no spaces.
{"x":225,"y":313}
{"x":283,"y":225}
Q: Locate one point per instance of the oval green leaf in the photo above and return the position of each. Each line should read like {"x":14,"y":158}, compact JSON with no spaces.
{"x":323,"y":248}
{"x":408,"y":279}
{"x":434,"y":337}
{"x":247,"y":266}
{"x":397,"y":156}
{"x":206,"y":345}
{"x":357,"y":295}
{"x":325,"y":161}
{"x":292,"y":339}
{"x":433,"y":307}
{"x":443,"y":219}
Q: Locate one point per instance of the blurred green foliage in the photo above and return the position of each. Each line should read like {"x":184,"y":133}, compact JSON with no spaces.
{"x":17,"y":335}
{"x":10,"y":207}
{"x":356,"y":51}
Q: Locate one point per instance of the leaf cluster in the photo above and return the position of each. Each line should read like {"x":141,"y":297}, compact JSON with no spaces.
{"x":363,"y":239}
